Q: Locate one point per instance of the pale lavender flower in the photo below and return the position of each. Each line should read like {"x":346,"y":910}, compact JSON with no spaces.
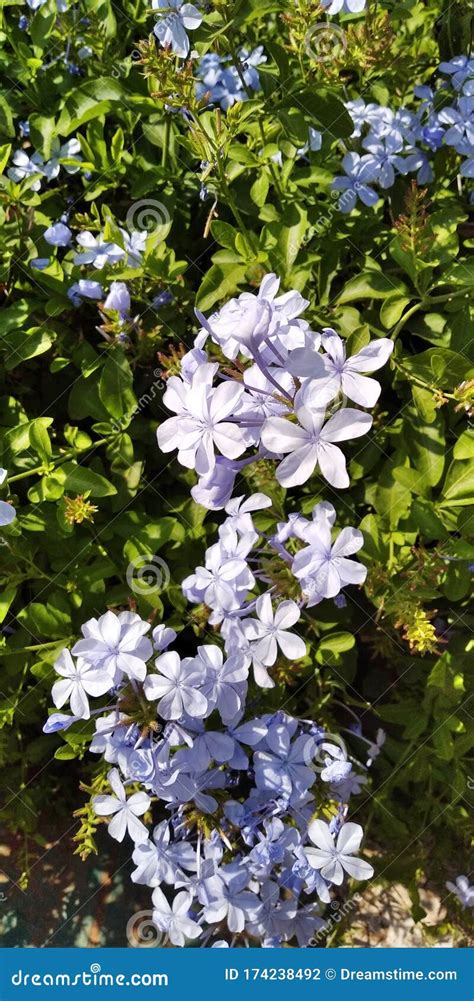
{"x":334,"y":857}
{"x":126,"y":811}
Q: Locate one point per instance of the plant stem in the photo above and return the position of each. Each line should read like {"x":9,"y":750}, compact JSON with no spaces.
{"x":43,"y":468}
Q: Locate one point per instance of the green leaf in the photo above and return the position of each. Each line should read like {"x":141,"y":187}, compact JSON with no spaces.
{"x":283,"y":239}
{"x":458,"y":490}
{"x":331,"y":648}
{"x":224,"y":233}
{"x":220,"y":282}
{"x":392,"y":309}
{"x":115,"y":387}
{"x":24,"y":344}
{"x":425,"y":444}
{"x":259,"y":189}
{"x":457,"y":583}
{"x":6,"y":118}
{"x":372,"y":285}
{"x":7,"y":596}
{"x":439,"y":367}
{"x":80,"y":479}
{"x":425,"y":403}
{"x":464,"y":447}
{"x":39,"y":437}
{"x":51,"y":620}
{"x":427,"y":521}
{"x":5,"y":152}
{"x":325,"y":108}
{"x":89,"y":101}
{"x":66,"y":753}
{"x":374,"y":545}
{"x":42,"y":132}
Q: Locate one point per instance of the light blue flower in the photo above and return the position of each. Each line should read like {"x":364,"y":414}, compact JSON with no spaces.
{"x":314,"y":142}
{"x":58,"y":235}
{"x":460,"y":118}
{"x":462,"y":890}
{"x":118,"y":299}
{"x":360,"y":171}
{"x":7,"y":511}
{"x":84,"y":289}
{"x":40,"y":263}
{"x":385,"y":156}
{"x":59,"y":721}
{"x":7,"y":514}
{"x":459,"y":69}
{"x":221,"y":83}
{"x":174,"y":19}
{"x":343,"y":6}
{"x":225,"y":896}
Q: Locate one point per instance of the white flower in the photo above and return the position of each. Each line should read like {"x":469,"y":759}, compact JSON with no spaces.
{"x":97,"y":251}
{"x":118,"y":298}
{"x":343,"y":6}
{"x":162,"y":637}
{"x":462,"y":890}
{"x":126,"y":810}
{"x":70,"y":150}
{"x":222,"y":583}
{"x":201,"y":425}
{"x":325,"y":568}
{"x":333,"y":858}
{"x":174,"y":919}
{"x":333,"y":373}
{"x":311,"y":443}
{"x":25,"y":166}
{"x":175,"y":18}
{"x":239,"y":508}
{"x":271,"y":630}
{"x":79,"y":681}
{"x":175,"y":687}
{"x":135,"y":245}
{"x":244,"y":324}
{"x":116,"y":643}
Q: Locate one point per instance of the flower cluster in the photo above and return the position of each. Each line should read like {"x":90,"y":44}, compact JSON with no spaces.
{"x":299,"y":558}
{"x":274,"y":402}
{"x":403,"y":141}
{"x":238,"y":839}
{"x":34,"y":166}
{"x":223,"y":83}
{"x":97,"y":252}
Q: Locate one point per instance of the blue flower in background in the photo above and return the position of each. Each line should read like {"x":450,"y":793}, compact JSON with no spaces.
{"x":84,"y":289}
{"x":61,"y":5}
{"x":343,"y":6}
{"x":7,"y":511}
{"x":461,"y":121}
{"x":459,"y":69}
{"x":220,"y":82}
{"x":386,"y":158}
{"x":118,"y":299}
{"x":174,"y":19}
{"x":361,"y":171}
{"x":58,"y":235}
